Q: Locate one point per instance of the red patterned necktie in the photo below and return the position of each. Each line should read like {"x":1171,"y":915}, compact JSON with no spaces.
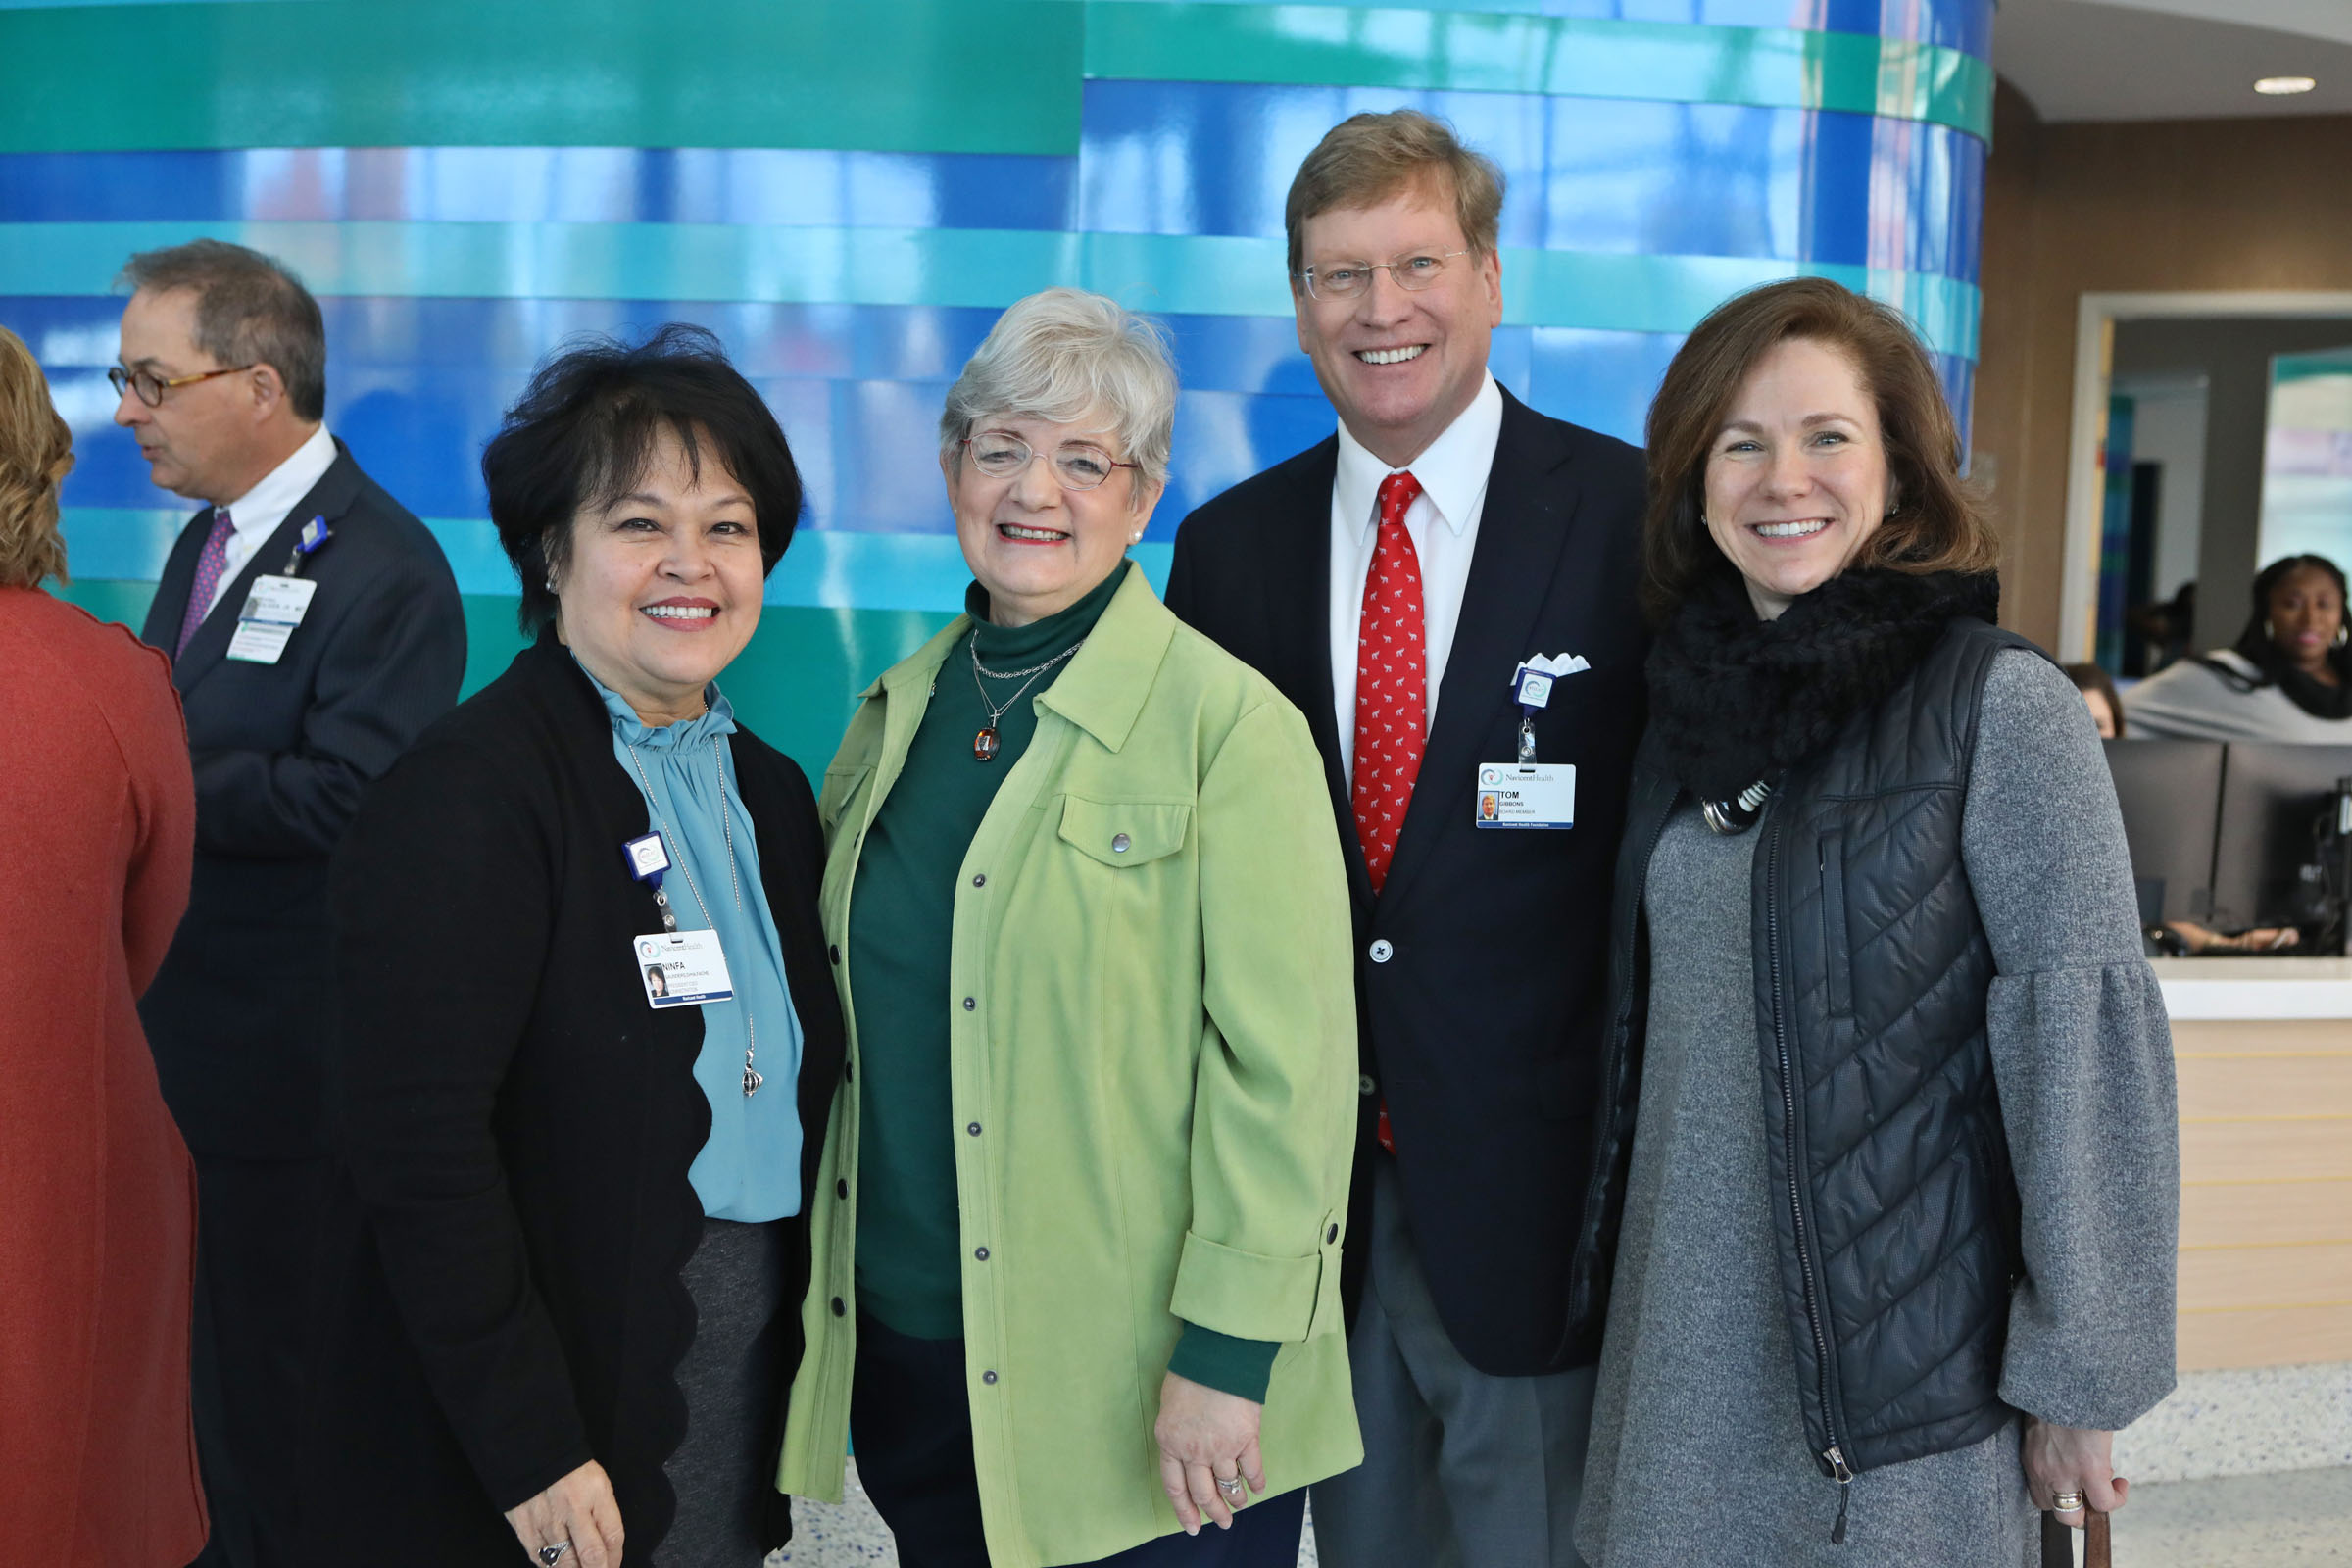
{"x":1392,"y":696}
{"x":1391,"y":682}
{"x":210,"y":566}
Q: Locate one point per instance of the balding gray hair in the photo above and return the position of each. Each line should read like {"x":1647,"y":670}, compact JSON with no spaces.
{"x":1063,"y":354}
{"x":250,"y":310}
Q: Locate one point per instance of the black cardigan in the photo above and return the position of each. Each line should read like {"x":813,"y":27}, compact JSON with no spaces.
{"x":500,"y":1297}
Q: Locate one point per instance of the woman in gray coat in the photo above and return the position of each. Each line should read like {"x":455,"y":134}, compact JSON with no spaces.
{"x":1898,"y":1188}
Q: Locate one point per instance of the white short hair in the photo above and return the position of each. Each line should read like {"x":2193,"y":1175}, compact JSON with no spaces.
{"x":1061,"y":355}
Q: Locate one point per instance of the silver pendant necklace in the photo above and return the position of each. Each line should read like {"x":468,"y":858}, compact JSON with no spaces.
{"x":751,"y":1077}
{"x":987,"y":742}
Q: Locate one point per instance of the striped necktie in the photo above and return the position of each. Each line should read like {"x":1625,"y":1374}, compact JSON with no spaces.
{"x":210,"y":565}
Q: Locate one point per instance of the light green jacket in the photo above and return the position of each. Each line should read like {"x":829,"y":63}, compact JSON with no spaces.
{"x":1153,"y":1078}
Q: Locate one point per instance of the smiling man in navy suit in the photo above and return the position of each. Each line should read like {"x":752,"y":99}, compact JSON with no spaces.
{"x":222,"y":381}
{"x":1391,"y":582}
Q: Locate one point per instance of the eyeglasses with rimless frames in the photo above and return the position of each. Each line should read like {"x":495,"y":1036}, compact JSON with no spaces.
{"x":1001,"y":455}
{"x":1344,"y":281}
{"x":151,"y":387}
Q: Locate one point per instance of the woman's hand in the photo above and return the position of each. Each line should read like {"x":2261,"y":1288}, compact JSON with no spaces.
{"x":2072,"y":1459}
{"x":579,"y":1510}
{"x":1205,"y":1438}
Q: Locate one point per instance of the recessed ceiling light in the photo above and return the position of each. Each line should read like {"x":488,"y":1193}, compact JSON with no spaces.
{"x":2284,"y":86}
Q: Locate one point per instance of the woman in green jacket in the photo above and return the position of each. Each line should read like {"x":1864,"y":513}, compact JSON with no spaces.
{"x":1077,"y":1227}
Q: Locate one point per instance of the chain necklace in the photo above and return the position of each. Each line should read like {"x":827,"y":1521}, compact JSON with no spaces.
{"x":752,"y":1078}
{"x":986,"y":744}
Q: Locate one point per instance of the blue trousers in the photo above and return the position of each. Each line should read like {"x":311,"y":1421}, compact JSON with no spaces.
{"x":911,"y":1424}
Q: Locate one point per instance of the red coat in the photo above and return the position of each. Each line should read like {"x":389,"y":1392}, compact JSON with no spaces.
{"x":97,"y":1194}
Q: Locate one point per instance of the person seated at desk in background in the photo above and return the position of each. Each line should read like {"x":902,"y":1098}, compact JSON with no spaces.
{"x":2284,"y":679}
{"x":2099,"y":696}
{"x":2187,"y":938}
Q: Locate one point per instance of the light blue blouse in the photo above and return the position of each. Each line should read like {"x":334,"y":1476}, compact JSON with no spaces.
{"x":750,"y":1169}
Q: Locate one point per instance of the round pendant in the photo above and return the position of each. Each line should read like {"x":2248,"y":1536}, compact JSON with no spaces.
{"x":984,"y":745}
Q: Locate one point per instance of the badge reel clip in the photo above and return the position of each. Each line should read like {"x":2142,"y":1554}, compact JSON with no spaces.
{"x":648,"y":859}
{"x":1525,"y":793}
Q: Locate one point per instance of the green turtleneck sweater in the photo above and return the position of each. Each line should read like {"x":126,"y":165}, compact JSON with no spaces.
{"x":902,"y":926}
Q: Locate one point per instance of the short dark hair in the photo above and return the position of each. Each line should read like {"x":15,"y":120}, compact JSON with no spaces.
{"x":250,"y":310}
{"x":585,"y":428}
{"x":1939,"y":522}
{"x":2091,"y":679}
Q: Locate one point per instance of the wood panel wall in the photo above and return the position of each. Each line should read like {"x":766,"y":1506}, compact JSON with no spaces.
{"x":2158,"y":206}
{"x":2266,"y":1193}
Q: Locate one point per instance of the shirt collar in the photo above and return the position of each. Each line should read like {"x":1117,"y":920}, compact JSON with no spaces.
{"x":1452,"y":470}
{"x":717,"y":719}
{"x":265,"y":505}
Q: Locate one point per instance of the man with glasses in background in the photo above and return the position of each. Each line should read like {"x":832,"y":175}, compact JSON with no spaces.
{"x":1399,"y":583}
{"x":315,"y":629}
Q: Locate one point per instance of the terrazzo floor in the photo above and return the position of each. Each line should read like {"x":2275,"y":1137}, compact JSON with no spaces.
{"x":2295,"y":1517}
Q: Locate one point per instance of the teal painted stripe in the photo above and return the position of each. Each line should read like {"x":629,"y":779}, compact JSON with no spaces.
{"x":1321,"y":45}
{"x":824,"y":569}
{"x":698,"y":262}
{"x":897,"y":76}
{"x":795,"y":683}
{"x":1172,"y":274}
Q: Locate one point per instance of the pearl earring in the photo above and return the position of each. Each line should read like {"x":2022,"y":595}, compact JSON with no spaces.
{"x":550,"y":585}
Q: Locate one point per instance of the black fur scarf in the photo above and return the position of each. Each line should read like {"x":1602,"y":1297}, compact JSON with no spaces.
{"x":1734,"y":699}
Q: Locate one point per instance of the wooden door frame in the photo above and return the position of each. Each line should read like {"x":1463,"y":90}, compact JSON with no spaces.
{"x":2096,"y":318}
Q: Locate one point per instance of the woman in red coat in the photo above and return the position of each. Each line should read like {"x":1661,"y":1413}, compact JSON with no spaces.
{"x":97,"y":1194}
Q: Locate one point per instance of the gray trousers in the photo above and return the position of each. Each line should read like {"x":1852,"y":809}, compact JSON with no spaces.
{"x":1461,"y":1469}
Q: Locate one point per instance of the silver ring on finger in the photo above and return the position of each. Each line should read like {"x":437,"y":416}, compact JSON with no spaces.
{"x":1231,"y":1487}
{"x":550,"y":1556}
{"x":2067,"y":1501}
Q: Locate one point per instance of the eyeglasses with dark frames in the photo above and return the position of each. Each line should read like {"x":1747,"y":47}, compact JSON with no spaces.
{"x":1001,"y":455}
{"x":151,"y":387}
{"x":1344,"y":281}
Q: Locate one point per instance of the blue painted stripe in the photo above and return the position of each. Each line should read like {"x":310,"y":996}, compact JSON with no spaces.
{"x":1585,"y":175}
{"x":823,"y":569}
{"x":1965,"y":25}
{"x":1953,"y":23}
{"x":784,"y":186}
{"x":1188,"y":275}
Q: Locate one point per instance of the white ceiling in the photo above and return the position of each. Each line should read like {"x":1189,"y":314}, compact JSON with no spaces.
{"x":2173,"y":59}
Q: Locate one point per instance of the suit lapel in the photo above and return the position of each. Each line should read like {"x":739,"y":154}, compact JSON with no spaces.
{"x":1297,"y":599}
{"x":1297,"y":617}
{"x":329,"y":498}
{"x":1523,"y":531}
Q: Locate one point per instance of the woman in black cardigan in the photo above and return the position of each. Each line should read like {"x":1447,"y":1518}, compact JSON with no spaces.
{"x":561,"y":1303}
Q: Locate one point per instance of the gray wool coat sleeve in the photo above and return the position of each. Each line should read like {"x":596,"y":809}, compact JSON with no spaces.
{"x":2083,"y":1055}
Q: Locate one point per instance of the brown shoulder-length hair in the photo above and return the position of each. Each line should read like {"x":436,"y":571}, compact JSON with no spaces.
{"x":36,"y":453}
{"x":1938,"y":524}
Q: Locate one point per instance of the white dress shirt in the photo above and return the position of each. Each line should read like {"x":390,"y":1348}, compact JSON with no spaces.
{"x":254,"y":515}
{"x":1443,"y":527}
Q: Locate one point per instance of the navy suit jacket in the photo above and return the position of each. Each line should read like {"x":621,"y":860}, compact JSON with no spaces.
{"x":1481,"y":1023}
{"x":240,"y":1014}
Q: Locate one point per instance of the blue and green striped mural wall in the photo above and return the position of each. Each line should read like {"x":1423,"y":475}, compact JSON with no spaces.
{"x":849,"y":192}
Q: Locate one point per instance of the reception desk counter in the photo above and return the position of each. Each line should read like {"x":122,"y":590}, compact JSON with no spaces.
{"x":2264,"y":1049}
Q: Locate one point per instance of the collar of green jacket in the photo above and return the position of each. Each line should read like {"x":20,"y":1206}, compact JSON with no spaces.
{"x":1107,"y":684}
